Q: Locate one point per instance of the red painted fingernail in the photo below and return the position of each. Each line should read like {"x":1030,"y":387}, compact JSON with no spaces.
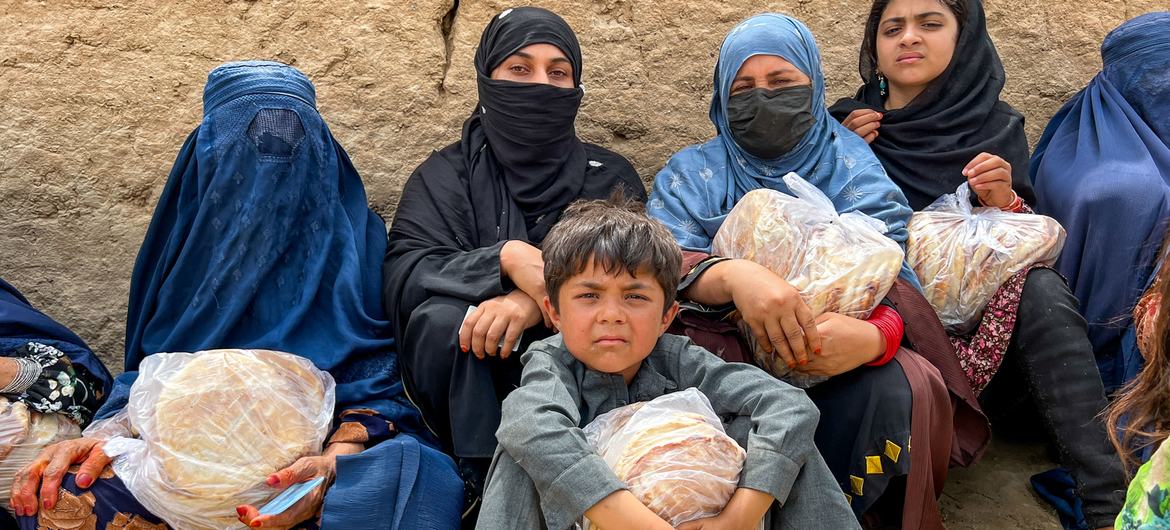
{"x":803,"y":362}
{"x":818,"y":350}
{"x":791,"y":365}
{"x":84,"y":480}
{"x":464,"y":348}
{"x":48,"y":504}
{"x":255,"y":524}
{"x":241,"y":510}
{"x":272,"y":480}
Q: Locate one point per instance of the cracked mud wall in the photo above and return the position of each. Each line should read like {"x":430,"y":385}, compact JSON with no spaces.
{"x":97,"y":96}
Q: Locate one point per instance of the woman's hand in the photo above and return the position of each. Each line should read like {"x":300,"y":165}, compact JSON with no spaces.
{"x":306,"y":468}
{"x":780,"y":320}
{"x":847,"y":344}
{"x":865,"y":123}
{"x":44,"y":475}
{"x":503,"y":317}
{"x":990,"y":177}
{"x":524,"y":265}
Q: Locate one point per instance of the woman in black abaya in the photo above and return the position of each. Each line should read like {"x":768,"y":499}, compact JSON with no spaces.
{"x":468,"y":229}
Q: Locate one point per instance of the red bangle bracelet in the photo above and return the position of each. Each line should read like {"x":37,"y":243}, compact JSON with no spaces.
{"x":889,"y":324}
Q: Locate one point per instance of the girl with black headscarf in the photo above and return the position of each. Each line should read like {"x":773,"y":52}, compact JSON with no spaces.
{"x":931,"y":112}
{"x":468,"y":229}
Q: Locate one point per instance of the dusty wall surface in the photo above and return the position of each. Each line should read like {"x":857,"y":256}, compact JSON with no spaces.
{"x":97,"y":96}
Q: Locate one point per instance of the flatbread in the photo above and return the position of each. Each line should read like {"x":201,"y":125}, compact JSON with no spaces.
{"x":227,"y":420}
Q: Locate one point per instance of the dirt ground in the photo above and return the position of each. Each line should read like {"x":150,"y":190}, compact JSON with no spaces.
{"x":995,"y":494}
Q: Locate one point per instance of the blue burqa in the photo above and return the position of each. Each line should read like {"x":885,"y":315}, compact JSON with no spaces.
{"x":20,"y":323}
{"x":1102,"y":168}
{"x":693,"y":194}
{"x":262,"y":238}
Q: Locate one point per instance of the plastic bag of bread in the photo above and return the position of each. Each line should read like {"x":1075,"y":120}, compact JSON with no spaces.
{"x":23,"y":433}
{"x":211,"y":426}
{"x":672,"y":453}
{"x":840,"y":263}
{"x":962,"y":254}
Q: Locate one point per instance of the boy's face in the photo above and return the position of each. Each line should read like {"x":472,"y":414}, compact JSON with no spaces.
{"x":611,"y":322}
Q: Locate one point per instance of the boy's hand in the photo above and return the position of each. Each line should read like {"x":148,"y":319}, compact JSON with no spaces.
{"x":848,"y":343}
{"x":503,"y":317}
{"x":744,"y":511}
{"x":621,"y":509}
{"x":723,"y":521}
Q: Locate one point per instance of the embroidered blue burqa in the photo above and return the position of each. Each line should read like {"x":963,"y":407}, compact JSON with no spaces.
{"x":1102,"y":168}
{"x":700,"y":184}
{"x":20,"y":323}
{"x":263,"y":238}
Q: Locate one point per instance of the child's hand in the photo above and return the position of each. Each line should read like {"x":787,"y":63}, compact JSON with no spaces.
{"x":744,"y":511}
{"x":503,"y":317}
{"x":719,"y":522}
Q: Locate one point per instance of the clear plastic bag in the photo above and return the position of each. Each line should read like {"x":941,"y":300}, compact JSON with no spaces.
{"x":962,"y":254}
{"x":840,"y":263}
{"x":23,"y":434}
{"x":672,"y":453}
{"x":212,"y":426}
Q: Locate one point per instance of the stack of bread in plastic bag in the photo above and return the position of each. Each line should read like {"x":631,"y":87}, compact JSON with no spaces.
{"x":962,"y":254}
{"x":203,"y":431}
{"x":840,"y":263}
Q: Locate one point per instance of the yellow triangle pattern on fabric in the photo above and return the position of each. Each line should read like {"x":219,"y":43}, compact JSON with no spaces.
{"x":848,"y":499}
{"x":893,"y":451}
{"x":873,"y":465}
{"x":857,"y":483}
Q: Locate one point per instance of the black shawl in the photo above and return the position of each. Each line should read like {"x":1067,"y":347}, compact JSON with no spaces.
{"x":925,"y":145}
{"x":517,"y":166}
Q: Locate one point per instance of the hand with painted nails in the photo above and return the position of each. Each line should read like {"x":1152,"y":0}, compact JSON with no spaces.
{"x":782,"y":323}
{"x":306,"y":468}
{"x":865,"y":123}
{"x":990,"y":177}
{"x":847,"y":344}
{"x":503,"y":317}
{"x":42,"y":478}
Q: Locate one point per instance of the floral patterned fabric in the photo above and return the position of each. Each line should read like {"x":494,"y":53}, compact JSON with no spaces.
{"x":981,"y":352}
{"x":62,"y":388}
{"x":1147,"y":503}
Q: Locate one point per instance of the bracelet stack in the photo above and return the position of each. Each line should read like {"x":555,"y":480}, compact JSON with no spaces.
{"x":27,"y":373}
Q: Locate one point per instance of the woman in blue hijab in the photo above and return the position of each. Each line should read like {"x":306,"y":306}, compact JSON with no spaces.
{"x":263,"y":238}
{"x":1102,"y":168}
{"x":769,"y":111}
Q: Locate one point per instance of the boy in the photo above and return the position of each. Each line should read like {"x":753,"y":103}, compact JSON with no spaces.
{"x":611,"y":273}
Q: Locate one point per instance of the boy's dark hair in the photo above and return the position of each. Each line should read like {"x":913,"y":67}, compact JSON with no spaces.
{"x":615,"y":234}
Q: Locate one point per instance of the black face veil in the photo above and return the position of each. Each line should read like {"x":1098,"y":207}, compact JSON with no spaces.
{"x":521,"y":142}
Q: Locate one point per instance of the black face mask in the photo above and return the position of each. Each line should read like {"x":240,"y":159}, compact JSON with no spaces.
{"x":769,"y":123}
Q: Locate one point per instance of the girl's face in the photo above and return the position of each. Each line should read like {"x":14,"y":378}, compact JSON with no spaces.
{"x":915,"y":42}
{"x":537,"y":63}
{"x":767,"y":71}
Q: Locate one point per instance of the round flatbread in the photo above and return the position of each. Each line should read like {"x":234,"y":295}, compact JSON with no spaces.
{"x":229,"y":418}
